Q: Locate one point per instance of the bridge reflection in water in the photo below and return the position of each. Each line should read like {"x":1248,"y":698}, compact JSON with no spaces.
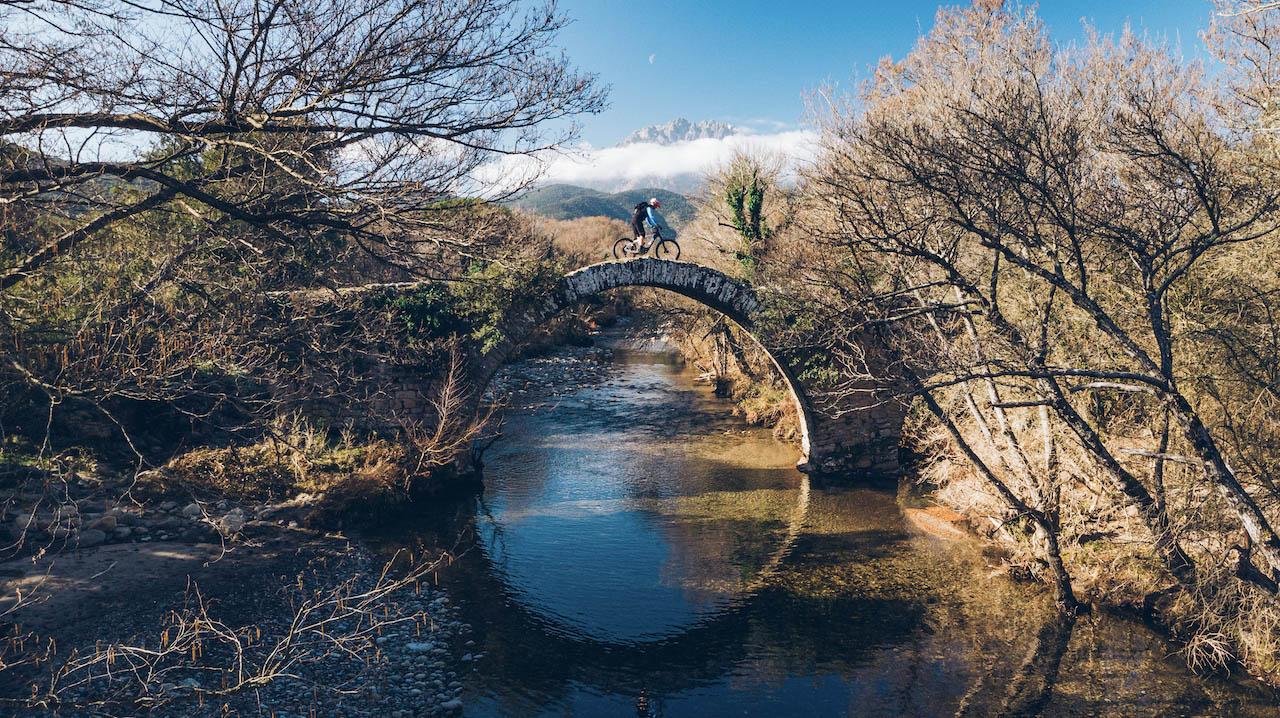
{"x":638,"y":553}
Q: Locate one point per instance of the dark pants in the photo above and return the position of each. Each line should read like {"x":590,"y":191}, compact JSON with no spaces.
{"x":637,"y":226}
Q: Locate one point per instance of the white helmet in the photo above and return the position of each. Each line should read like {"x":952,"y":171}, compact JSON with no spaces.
{"x":654,"y":201}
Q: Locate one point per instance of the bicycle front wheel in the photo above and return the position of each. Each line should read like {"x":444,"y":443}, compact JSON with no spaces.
{"x":620,"y":248}
{"x":667,"y":249}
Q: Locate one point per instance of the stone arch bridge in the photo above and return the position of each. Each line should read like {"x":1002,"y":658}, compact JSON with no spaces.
{"x":835,"y":440}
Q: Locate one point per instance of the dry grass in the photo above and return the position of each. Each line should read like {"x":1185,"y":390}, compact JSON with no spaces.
{"x":351,"y":474}
{"x":586,"y":240}
{"x":1109,"y":553}
{"x":766,"y":402}
{"x":196,"y":658}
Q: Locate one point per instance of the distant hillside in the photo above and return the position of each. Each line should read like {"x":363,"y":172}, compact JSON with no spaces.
{"x":81,"y":198}
{"x":564,"y":201}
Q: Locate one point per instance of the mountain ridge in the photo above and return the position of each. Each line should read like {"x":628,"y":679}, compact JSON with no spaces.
{"x":566,"y":201}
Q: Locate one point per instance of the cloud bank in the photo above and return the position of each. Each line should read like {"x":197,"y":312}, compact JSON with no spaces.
{"x":678,"y":166}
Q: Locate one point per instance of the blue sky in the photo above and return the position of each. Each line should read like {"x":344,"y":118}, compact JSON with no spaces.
{"x":751,"y":62}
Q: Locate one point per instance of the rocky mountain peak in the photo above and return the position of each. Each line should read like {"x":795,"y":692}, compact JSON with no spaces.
{"x":680,"y":130}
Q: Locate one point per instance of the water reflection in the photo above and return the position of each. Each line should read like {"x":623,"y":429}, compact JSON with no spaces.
{"x":637,"y":554}
{"x":1030,"y":687}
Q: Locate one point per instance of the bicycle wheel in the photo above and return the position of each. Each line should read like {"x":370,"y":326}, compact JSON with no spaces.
{"x":667,"y":249}
{"x":621,"y":248}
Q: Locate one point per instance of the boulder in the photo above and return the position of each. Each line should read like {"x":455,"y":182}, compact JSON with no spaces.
{"x":91,"y":537}
{"x":192,"y":510}
{"x":234,"y":520}
{"x":106,"y":524}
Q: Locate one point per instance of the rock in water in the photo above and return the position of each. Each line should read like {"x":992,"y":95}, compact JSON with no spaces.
{"x":939,"y":521}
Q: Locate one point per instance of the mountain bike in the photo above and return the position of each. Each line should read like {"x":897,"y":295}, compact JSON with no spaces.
{"x":663,"y":248}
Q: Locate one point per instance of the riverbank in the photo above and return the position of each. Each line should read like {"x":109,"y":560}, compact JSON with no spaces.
{"x":867,"y":586}
{"x":275,"y":618}
{"x":1218,"y":624}
{"x":103,"y":567}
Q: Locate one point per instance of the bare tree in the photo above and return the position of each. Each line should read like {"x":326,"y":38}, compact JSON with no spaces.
{"x":1245,"y":38}
{"x":1048,"y":211}
{"x":285,"y":117}
{"x":165,"y":166}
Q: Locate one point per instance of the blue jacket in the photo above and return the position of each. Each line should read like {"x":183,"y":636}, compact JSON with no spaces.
{"x":646,"y":210}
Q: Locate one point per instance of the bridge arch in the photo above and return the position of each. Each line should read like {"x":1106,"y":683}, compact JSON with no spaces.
{"x":702,"y":284}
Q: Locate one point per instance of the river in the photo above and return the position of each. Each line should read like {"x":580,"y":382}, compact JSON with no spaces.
{"x":639,"y":551}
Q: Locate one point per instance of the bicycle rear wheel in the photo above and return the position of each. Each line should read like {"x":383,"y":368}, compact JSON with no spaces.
{"x":620,"y":248}
{"x":667,"y":249}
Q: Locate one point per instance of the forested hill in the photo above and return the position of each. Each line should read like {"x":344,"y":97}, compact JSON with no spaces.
{"x":564,"y":201}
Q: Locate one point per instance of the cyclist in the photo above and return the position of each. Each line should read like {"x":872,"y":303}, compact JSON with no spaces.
{"x":642,"y":214}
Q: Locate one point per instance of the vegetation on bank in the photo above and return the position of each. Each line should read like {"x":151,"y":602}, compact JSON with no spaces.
{"x":1064,"y":252}
{"x":154,"y":300}
{"x":1067,"y":252}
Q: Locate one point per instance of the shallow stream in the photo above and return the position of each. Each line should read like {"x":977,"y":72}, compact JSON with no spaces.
{"x":640,"y":551}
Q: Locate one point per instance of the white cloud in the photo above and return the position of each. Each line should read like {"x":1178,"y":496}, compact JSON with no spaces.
{"x":651,"y":59}
{"x":679,"y":166}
